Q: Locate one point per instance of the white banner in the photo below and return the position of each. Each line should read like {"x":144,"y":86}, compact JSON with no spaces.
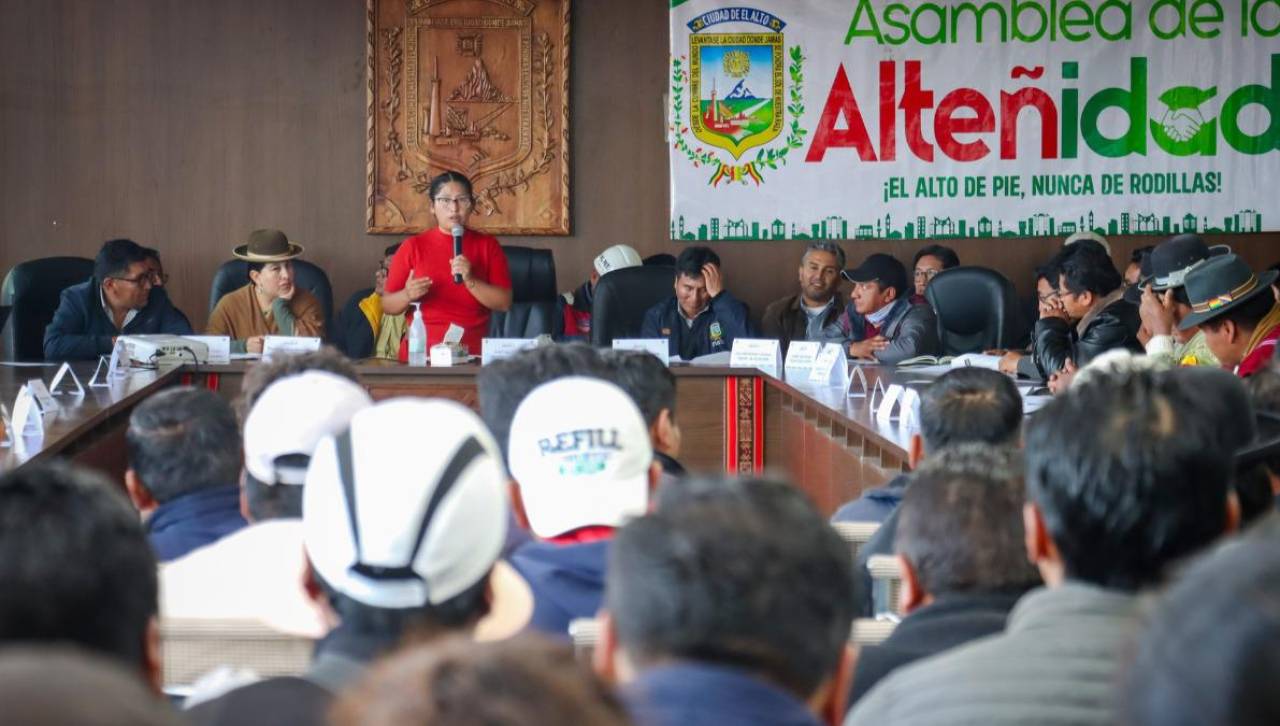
{"x":902,"y":119}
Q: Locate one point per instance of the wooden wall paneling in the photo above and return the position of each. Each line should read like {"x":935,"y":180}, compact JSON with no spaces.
{"x":701,"y":417}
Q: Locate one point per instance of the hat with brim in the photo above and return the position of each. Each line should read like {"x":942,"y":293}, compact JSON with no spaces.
{"x":1172,"y":259}
{"x":267,"y":245}
{"x":1220,"y":284}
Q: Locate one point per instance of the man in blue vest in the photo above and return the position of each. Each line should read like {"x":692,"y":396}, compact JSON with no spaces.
{"x":701,"y":317}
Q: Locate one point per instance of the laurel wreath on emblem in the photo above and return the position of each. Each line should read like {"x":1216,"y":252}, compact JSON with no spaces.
{"x":767,"y":157}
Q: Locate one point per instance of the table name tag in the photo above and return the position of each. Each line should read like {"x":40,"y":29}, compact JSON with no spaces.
{"x":40,"y":393}
{"x":802,"y":354}
{"x":26,"y":420}
{"x":656,"y":346}
{"x":909,"y":408}
{"x":756,"y":353}
{"x":888,"y":408}
{"x":61,"y":375}
{"x":858,"y":383}
{"x":287,"y":344}
{"x":830,"y":368}
{"x":496,"y":349}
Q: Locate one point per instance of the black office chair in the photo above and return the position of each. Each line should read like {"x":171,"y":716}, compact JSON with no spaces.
{"x":533,"y":296}
{"x":622,"y":297}
{"x":234,"y":274}
{"x":976,"y":309}
{"x":31,"y":290}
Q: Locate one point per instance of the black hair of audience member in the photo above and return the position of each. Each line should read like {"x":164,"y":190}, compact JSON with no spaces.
{"x":275,"y":501}
{"x":504,"y":384}
{"x":693,"y":259}
{"x":646,"y":379}
{"x":1049,"y":273}
{"x":1210,"y":652}
{"x":661,"y":259}
{"x":757,"y":582}
{"x":438,"y":182}
{"x":1140,"y":253}
{"x":65,"y":685}
{"x":960,"y":522}
{"x":392,"y":249}
{"x":1086,"y":265}
{"x":75,"y":565}
{"x":524,"y":681}
{"x":410,"y":625}
{"x":1127,"y":478}
{"x":945,"y":255}
{"x":263,"y":374}
{"x":1246,"y":315}
{"x":183,"y":440}
{"x":970,"y":404}
{"x":114,"y":258}
{"x":1264,"y":394}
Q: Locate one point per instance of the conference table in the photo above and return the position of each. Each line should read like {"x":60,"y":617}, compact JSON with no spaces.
{"x":739,"y":420}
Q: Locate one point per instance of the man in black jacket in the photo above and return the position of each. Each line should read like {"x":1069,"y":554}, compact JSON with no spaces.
{"x":964,"y":563}
{"x":701,"y":317}
{"x":1089,"y":315}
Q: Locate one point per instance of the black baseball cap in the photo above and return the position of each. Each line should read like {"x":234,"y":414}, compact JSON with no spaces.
{"x":881,"y":268}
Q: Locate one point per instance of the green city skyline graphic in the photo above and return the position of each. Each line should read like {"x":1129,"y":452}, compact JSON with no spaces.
{"x":1039,"y":224}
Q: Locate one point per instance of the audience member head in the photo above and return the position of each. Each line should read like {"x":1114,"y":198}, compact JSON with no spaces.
{"x":878,"y":282}
{"x":580,"y":456}
{"x":263,"y":374}
{"x":1133,"y":271}
{"x":384,"y":268}
{"x":820,"y":269}
{"x":1210,"y":653}
{"x":55,"y":685}
{"x":406,"y":551}
{"x":504,"y":384}
{"x":967,"y":405}
{"x":1264,"y":393}
{"x":1124,"y":477}
{"x":124,"y":274}
{"x":928,"y":262}
{"x":691,"y":283}
{"x":960,"y":526}
{"x":617,"y":257}
{"x":1229,"y":302}
{"x":281,"y":433}
{"x":661,"y":259}
{"x":757,"y":583}
{"x":180,"y":441}
{"x":653,"y":389}
{"x":76,"y":567}
{"x":525,"y":681}
{"x":1086,"y":275}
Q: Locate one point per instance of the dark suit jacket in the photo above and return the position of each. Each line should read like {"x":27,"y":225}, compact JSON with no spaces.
{"x":81,"y":330}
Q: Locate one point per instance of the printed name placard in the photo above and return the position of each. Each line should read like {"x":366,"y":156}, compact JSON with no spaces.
{"x":287,"y":344}
{"x":656,"y":346}
{"x":802,"y":354}
{"x":496,"y":349}
{"x":756,"y":353}
{"x":830,"y":368}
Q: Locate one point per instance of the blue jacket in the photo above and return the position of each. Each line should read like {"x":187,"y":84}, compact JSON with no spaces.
{"x":567,"y":582}
{"x":875,"y":505}
{"x":713,"y":330}
{"x":81,"y":330}
{"x":700,"y":693}
{"x":194,"y":520}
{"x":912,"y":330}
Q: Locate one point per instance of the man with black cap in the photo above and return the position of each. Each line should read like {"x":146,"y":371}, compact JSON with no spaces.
{"x":880,"y":322}
{"x":1162,"y":301}
{"x":1237,"y":311}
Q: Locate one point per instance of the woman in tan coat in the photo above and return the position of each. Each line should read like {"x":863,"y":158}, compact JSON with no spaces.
{"x":271,"y":304}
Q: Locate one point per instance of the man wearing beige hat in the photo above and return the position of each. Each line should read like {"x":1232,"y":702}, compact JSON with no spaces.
{"x":271,"y":304}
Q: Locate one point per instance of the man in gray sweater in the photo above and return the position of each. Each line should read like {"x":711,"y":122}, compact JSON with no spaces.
{"x":1125,"y":475}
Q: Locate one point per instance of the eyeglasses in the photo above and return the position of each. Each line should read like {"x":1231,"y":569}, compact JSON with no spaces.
{"x":461,"y":202}
{"x":925,"y":274}
{"x":143,"y":279}
{"x":1046,"y":298}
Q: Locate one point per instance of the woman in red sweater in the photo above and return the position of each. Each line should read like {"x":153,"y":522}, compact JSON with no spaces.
{"x":423,"y":269}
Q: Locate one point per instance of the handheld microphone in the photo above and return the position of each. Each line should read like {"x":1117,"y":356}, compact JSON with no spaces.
{"x":457,"y":249}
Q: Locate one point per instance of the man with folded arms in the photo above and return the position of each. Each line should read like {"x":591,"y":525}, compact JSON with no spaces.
{"x":880,"y":322}
{"x":1125,"y":478}
{"x":1237,"y":311}
{"x":580,"y":471}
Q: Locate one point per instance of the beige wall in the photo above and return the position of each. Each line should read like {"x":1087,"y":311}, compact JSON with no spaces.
{"x":186,"y":123}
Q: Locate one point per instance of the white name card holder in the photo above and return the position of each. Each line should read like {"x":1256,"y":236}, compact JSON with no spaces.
{"x":108,"y":367}
{"x":875,"y":394}
{"x":909,"y":408}
{"x":802,"y":356}
{"x":26,"y":419}
{"x":658,"y":347}
{"x":219,"y":347}
{"x":66,"y":374}
{"x":496,"y":349}
{"x":45,"y":400}
{"x":830,"y":368}
{"x":858,"y":383}
{"x":287,"y":344}
{"x":888,"y":409}
{"x":757,"y":353}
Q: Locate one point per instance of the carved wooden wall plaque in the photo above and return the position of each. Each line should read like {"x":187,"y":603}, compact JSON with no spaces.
{"x":476,"y":86}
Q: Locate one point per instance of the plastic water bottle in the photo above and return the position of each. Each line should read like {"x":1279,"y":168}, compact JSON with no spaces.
{"x":417,"y":338}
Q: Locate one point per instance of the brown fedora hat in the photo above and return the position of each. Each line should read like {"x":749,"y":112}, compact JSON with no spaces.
{"x":267,"y":245}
